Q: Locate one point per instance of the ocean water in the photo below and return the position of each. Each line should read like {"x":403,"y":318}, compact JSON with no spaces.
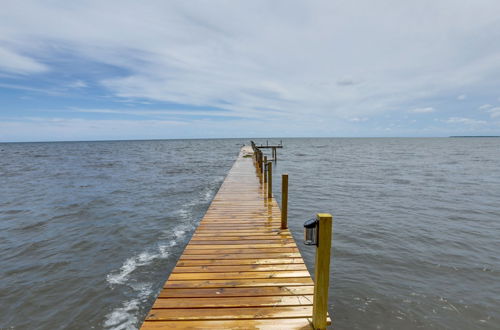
{"x":90,"y":230}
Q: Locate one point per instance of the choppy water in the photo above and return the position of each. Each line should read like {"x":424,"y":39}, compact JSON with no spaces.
{"x":90,"y":230}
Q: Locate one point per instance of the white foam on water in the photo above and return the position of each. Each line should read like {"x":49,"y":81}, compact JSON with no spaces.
{"x":208,"y":195}
{"x":145,"y":257}
{"x":123,"y":318}
{"x":142,"y":259}
{"x":128,"y":267}
{"x":163,"y":250}
{"x":179,"y":233}
{"x":184,"y":213}
{"x":144,"y":289}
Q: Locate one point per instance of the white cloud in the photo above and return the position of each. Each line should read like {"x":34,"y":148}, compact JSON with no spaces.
{"x":70,"y":129}
{"x":358,"y":119}
{"x":13,"y":62}
{"x":465,"y":121}
{"x":78,"y":84}
{"x":165,"y":113}
{"x":461,"y":97}
{"x":30,"y":89}
{"x":422,"y":110}
{"x":494,"y":112}
{"x":485,"y":107}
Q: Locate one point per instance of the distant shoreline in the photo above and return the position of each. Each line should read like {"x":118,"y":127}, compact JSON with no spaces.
{"x":475,"y":136}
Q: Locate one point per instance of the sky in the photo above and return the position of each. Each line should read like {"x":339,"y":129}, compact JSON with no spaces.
{"x":99,"y":70}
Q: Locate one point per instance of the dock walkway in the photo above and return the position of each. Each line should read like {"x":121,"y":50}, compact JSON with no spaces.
{"x":240,"y":270}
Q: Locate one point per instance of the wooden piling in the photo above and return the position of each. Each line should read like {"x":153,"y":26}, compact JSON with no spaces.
{"x":258,"y":160}
{"x":270,"y":180}
{"x":284,"y":201}
{"x":264,"y":169}
{"x":322,"y":271}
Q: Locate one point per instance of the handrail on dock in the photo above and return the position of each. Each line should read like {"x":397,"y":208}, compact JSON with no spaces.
{"x":242,"y":268}
{"x":273,"y":148}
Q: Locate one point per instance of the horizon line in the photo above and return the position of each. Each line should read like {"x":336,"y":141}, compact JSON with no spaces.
{"x":260,"y":138}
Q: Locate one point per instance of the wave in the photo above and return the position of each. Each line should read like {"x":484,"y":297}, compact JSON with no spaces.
{"x":142,"y":259}
{"x":125,"y":317}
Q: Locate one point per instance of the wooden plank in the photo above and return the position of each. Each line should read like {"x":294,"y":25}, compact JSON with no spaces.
{"x":216,"y":252}
{"x":237,"y":275}
{"x":250,"y":234}
{"x":239,"y":268}
{"x":243,"y":242}
{"x":244,"y":231}
{"x":241,"y":246}
{"x":220,"y":262}
{"x":230,"y":313}
{"x":241,"y":256}
{"x":241,"y":237}
{"x":223,"y":302}
{"x":238,"y":232}
{"x":230,"y":226}
{"x":238,"y":292}
{"x":239,"y":283}
{"x":289,"y":324}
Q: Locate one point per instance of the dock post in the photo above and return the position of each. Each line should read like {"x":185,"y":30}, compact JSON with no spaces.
{"x":257,"y":160}
{"x":284,"y":201}
{"x":322,"y":270}
{"x":270,"y":180}
{"x":261,"y":162}
{"x":264,"y":169}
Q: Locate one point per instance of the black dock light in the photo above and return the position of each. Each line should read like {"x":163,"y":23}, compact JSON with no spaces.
{"x":311,"y":232}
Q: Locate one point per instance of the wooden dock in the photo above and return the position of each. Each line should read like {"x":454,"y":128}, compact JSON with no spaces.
{"x":240,"y":270}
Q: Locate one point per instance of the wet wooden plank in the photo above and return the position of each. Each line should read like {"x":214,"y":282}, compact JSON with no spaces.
{"x":238,"y":292}
{"x":254,"y":282}
{"x":289,"y":324}
{"x":230,"y":313}
{"x":238,"y":268}
{"x":266,"y":261}
{"x":241,"y":246}
{"x":243,"y":242}
{"x":242,"y":256}
{"x":234,"y":250}
{"x":238,"y":238}
{"x":238,"y":275}
{"x":221,"y":302}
